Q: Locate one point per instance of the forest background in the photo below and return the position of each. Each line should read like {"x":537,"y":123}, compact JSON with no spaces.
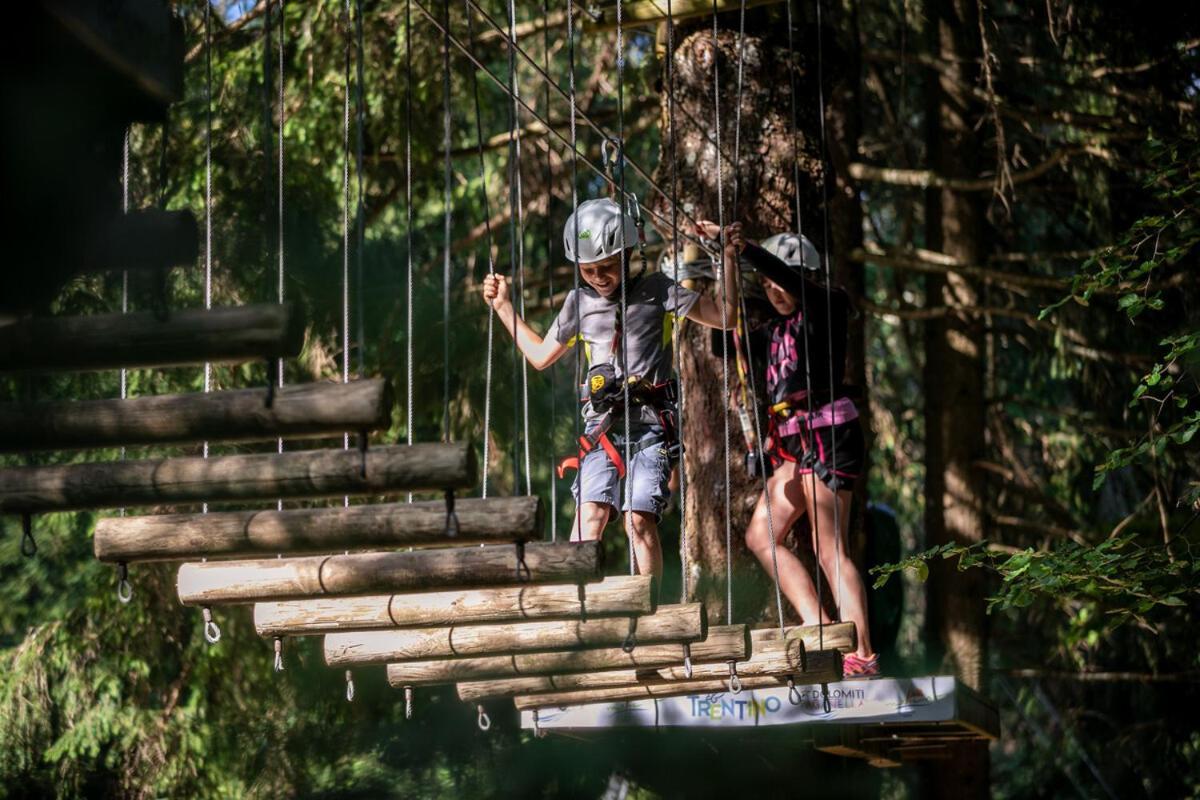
{"x":1013,"y":205}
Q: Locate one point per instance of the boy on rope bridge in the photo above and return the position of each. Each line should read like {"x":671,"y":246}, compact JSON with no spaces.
{"x":814,"y":438}
{"x":601,"y":238}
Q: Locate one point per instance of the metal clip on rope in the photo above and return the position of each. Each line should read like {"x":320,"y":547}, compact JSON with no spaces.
{"x":279,"y":654}
{"x":524,"y":575}
{"x":735,"y":683}
{"x":483,"y":720}
{"x":793,"y":693}
{"x":212,"y":631}
{"x":451,"y":516}
{"x":124,"y":587}
{"x":349,"y":686}
{"x":408,"y":702}
{"x":28,"y":544}
{"x":611,"y":154}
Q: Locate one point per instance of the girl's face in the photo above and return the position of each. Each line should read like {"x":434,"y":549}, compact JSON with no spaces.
{"x":782,"y":302}
{"x":603,"y":276}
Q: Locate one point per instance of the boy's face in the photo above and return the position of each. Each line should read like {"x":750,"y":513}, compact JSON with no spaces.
{"x":603,"y":276}
{"x":783,"y":302}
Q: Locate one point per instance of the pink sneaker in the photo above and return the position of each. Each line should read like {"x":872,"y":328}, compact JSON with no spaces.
{"x":855,"y":667}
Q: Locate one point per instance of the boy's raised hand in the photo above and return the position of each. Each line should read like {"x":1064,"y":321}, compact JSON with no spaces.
{"x":734,"y":239}
{"x":496,"y":291}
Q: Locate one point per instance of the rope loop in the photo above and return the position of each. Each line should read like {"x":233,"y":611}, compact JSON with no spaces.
{"x":408,"y":702}
{"x":29,"y":546}
{"x":825,"y":698}
{"x":349,"y":686}
{"x":630,"y":642}
{"x":735,"y":683}
{"x":452,"y":516}
{"x":124,"y":587}
{"x":793,"y":693}
{"x":212,"y":631}
{"x":483,"y":720}
{"x":279,"y":654}
{"x":538,"y":731}
{"x":687,"y":660}
{"x":524,"y":575}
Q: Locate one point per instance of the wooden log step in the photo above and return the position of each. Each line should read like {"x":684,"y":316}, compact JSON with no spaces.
{"x":782,"y":660}
{"x":182,"y":537}
{"x":272,"y":579}
{"x":675,"y":623}
{"x":622,"y":595}
{"x":267,"y":476}
{"x":303,"y":410}
{"x":723,"y":642}
{"x":825,"y":666}
{"x":140,"y":339}
{"x":840,"y":636}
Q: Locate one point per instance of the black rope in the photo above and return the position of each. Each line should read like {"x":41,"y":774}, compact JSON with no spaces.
{"x":523,"y":573}
{"x":579,"y":345}
{"x":29,"y":546}
{"x":452,"y":528}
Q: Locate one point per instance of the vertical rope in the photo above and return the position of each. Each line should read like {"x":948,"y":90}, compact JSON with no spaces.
{"x":491,"y":263}
{"x":408,"y":237}
{"x":207,"y":191}
{"x":361,"y":210}
{"x":346,"y":215}
{"x":724,"y":319}
{"x":550,"y":275}
{"x":446,"y":221}
{"x":579,"y":343}
{"x":825,"y":177}
{"x":675,"y":343}
{"x":279,"y":188}
{"x":124,"y":376}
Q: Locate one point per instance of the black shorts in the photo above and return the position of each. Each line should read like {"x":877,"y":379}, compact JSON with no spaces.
{"x":843,"y":442}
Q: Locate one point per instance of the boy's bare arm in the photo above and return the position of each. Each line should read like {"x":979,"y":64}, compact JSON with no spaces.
{"x":539,"y":352}
{"x":707,"y":310}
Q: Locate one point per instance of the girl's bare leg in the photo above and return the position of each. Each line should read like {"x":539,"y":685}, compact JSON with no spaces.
{"x":787,"y":504}
{"x":590,"y":519}
{"x":834,"y":557}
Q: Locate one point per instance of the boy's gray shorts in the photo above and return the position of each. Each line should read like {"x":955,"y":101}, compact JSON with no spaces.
{"x":649,"y":474}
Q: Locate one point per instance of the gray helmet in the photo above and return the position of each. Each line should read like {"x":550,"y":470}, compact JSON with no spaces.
{"x":793,"y":250}
{"x":599,"y":234}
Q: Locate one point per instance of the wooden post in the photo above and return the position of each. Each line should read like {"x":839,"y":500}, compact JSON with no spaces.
{"x":183,"y":537}
{"x":676,"y":623}
{"x":304,"y":473}
{"x":723,"y":643}
{"x":840,"y":636}
{"x":824,"y":667}
{"x":140,"y":339}
{"x":779,"y":659}
{"x":303,"y":410}
{"x":271,"y":579}
{"x":622,"y":595}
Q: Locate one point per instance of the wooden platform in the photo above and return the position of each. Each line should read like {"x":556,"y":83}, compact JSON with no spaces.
{"x":885,"y":721}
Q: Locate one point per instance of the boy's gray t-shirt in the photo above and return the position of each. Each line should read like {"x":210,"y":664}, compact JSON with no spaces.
{"x":653,"y":303}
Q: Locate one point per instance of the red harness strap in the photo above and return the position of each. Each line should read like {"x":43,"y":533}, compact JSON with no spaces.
{"x":587,"y":443}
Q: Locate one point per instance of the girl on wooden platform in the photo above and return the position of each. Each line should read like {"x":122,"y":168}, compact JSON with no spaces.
{"x":814,"y":439}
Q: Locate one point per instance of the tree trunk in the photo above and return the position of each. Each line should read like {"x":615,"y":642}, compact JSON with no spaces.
{"x":954,"y":410}
{"x":758,"y":189}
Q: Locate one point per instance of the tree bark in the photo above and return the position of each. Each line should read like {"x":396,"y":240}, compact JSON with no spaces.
{"x":954,"y":380}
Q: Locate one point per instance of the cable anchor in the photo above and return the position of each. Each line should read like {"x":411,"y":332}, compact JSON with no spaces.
{"x":124,"y":587}
{"x":279,"y":654}
{"x":408,"y":702}
{"x":483,"y":720}
{"x":825,"y":698}
{"x":349,"y":686}
{"x":212,"y":631}
{"x":29,"y":546}
{"x":687,"y":660}
{"x":793,"y":693}
{"x":630,"y":638}
{"x":735,"y":683}
{"x":452,"y":528}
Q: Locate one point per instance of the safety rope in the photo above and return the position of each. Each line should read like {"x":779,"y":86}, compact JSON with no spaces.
{"x":279,"y":187}
{"x":491,"y":266}
{"x":550,"y":281}
{"x":721,"y":279}
{"x":447,"y":221}
{"x":517,"y":244}
{"x":408,"y":237}
{"x":825,"y":200}
{"x":124,"y":588}
{"x":578,"y":535}
{"x":346,"y":214}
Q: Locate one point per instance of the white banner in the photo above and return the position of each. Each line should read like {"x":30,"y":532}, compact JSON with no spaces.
{"x":861,"y":701}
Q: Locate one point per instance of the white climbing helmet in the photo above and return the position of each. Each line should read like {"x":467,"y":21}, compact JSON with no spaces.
{"x":793,"y":250}
{"x":599,"y":232}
